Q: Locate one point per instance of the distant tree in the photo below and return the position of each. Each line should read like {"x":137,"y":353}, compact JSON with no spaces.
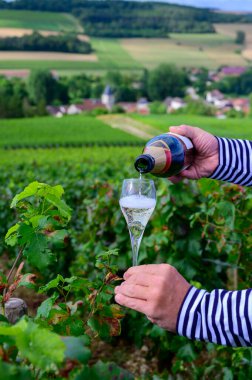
{"x":158,"y":108}
{"x":166,"y":80}
{"x":240,"y":37}
{"x":234,"y":114}
{"x":198,"y":107}
{"x":122,"y":86}
{"x":97,"y":90}
{"x":79,"y":87}
{"x":12,"y":93}
{"x":43,"y":87}
{"x":250,"y":104}
{"x":201,"y":83}
{"x":144,"y":83}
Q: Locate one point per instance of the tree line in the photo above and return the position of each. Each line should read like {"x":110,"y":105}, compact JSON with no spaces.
{"x":36,"y":42}
{"x":131,"y":19}
{"x":29,"y":98}
{"x":19,"y":98}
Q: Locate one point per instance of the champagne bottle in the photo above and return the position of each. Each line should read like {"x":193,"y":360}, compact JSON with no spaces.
{"x":165,"y":155}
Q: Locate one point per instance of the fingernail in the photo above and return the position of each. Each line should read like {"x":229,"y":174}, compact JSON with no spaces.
{"x":117,"y":289}
{"x":117,"y":298}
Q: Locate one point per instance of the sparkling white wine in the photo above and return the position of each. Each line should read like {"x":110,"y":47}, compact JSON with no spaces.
{"x":137,"y":210}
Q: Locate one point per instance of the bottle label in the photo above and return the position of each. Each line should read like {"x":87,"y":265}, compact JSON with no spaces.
{"x":163,"y":158}
{"x":185,"y":140}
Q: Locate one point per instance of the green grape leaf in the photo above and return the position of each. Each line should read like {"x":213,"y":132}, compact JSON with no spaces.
{"x":12,"y":235}
{"x":12,"y":372}
{"x":52,"y":284}
{"x":225,"y":213}
{"x":76,"y":348}
{"x":104,"y":371}
{"x":39,"y":221}
{"x":46,"y":306}
{"x":64,"y":210}
{"x":37,"y":253}
{"x":29,"y":191}
{"x":41,"y":347}
{"x":26,"y":234}
{"x":45,"y":189}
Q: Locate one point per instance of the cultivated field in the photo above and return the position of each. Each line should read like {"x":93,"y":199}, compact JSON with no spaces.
{"x":208,"y":50}
{"x":108,"y":54}
{"x":231,"y":29}
{"x":49,"y":130}
{"x":39,"y":21}
{"x":45,"y":56}
{"x":195,"y":50}
{"x":233,"y":128}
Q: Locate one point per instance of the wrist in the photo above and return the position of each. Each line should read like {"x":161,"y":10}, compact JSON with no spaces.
{"x":214,"y":160}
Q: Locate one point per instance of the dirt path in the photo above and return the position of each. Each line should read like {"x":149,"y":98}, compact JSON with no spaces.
{"x":45,"y":56}
{"x":20,"y":32}
{"x":129,"y":125}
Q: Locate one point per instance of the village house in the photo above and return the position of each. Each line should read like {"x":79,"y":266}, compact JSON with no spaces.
{"x":241,"y":105}
{"x":233,"y":71}
{"x":142,"y":106}
{"x":174,"y":104}
{"x":128,"y":107}
{"x":192,"y":93}
{"x":214,"y":97}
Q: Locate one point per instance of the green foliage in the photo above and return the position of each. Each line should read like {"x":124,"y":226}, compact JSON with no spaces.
{"x":166,"y":80}
{"x":42,"y":214}
{"x":198,"y":107}
{"x":42,"y":87}
{"x":40,"y":346}
{"x":203,"y":228}
{"x":241,"y":85}
{"x":43,"y":217}
{"x":158,"y":108}
{"x":105,"y":371}
{"x":68,"y":43}
{"x":240,"y":37}
{"x":60,"y":22}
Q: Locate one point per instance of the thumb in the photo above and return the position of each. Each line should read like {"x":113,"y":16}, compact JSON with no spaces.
{"x":185,"y":130}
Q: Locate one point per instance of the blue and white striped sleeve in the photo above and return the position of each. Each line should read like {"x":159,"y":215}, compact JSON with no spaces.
{"x":235,"y":161}
{"x":222,"y":317}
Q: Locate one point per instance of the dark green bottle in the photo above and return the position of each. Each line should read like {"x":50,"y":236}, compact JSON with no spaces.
{"x":165,"y":155}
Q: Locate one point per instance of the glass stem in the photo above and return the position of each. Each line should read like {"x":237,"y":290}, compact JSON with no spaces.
{"x":135,"y":244}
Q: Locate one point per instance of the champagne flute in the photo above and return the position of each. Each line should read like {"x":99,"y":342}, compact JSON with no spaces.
{"x":137,"y":202}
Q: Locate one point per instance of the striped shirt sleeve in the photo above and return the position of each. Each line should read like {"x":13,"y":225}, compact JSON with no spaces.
{"x":235,"y":161}
{"x":222,"y":317}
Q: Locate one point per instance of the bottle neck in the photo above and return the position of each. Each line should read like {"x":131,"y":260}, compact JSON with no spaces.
{"x":144,"y":163}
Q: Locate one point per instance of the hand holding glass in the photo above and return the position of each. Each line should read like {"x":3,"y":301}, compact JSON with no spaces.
{"x":137,"y":202}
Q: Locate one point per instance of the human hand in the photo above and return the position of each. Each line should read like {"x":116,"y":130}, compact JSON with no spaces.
{"x":206,"y":158}
{"x":157,"y":290}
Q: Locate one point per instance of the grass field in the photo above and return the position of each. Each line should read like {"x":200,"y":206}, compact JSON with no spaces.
{"x":230,"y":31}
{"x":191,"y":50}
{"x":49,"y":130}
{"x":39,"y":21}
{"x":236,"y":128}
{"x":109,"y":52}
{"x":208,"y":50}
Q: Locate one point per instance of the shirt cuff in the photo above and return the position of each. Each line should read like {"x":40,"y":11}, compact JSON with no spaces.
{"x":235,"y":161}
{"x":187,"y":324}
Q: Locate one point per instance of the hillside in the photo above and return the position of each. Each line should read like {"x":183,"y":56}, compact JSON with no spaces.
{"x":137,"y":35}
{"x":129,"y":19}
